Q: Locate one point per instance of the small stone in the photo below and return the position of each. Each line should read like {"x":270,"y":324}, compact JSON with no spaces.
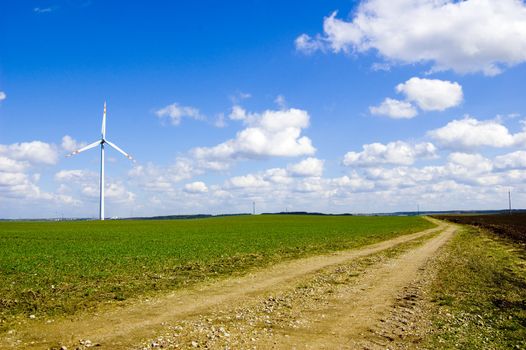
{"x":87,"y":343}
{"x":32,"y":317}
{"x":194,"y":344}
{"x":63,"y":347}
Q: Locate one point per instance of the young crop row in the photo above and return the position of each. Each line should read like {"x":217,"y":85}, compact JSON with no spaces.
{"x":57,"y":268}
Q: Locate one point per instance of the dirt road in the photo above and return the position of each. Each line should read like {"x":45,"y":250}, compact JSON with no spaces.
{"x":328,"y":301}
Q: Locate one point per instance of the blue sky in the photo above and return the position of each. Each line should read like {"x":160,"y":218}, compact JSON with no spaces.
{"x":376,"y":107}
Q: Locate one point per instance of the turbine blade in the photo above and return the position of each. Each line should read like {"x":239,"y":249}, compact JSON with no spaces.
{"x":91,"y":145}
{"x":117,"y":148}
{"x":103,"y":129}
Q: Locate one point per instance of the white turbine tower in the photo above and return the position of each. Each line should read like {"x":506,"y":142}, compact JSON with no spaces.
{"x":101,"y":142}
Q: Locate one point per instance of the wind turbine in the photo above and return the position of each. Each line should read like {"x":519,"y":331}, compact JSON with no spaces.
{"x":101,"y":142}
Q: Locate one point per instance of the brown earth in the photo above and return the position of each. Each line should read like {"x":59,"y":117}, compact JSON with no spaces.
{"x":341,"y":300}
{"x":507,"y":225}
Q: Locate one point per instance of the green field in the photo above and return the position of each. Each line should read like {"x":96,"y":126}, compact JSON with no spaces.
{"x":58,"y":268}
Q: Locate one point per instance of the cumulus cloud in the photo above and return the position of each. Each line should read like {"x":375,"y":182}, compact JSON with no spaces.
{"x":36,"y":152}
{"x":428,"y":94}
{"x":302,"y":172}
{"x":196,"y":187}
{"x":10,"y":165}
{"x":395,"y":109}
{"x":432,"y":94}
{"x":471,"y":133}
{"x":271,"y":133}
{"x":16,"y":163}
{"x":3,"y":96}
{"x":277,"y":176}
{"x":19,"y":185}
{"x":247,"y":181}
{"x":465,"y":36}
{"x":310,"y":167}
{"x":308,"y":45}
{"x":238,"y":113}
{"x":86,"y":183}
{"x":353,"y":182}
{"x":461,"y":169}
{"x":396,"y":153}
{"x":70,"y":144}
{"x":76,"y":175}
{"x":176,"y":113}
{"x":468,"y":165}
{"x":162,"y":179}
{"x":513,"y":160}
{"x":113,"y":191}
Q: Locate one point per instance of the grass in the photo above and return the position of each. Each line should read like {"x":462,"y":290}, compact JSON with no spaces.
{"x":60,"y":268}
{"x":480,"y":294}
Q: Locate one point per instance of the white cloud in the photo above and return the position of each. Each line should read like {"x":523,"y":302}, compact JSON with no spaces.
{"x":76,"y":176}
{"x":238,"y":113}
{"x":465,"y":36}
{"x":311,"y":186}
{"x":277,"y":176}
{"x":395,"y":109}
{"x":162,"y":179}
{"x":176,"y":113}
{"x":18,"y":185}
{"x":470,"y":133}
{"x":3,"y":96}
{"x":432,"y":94}
{"x":114,"y":191}
{"x":281,"y":102}
{"x":397,"y":153}
{"x":70,"y":144}
{"x":310,"y":167}
{"x":85,"y":183}
{"x":428,"y":94}
{"x":468,"y":169}
{"x":308,"y":45}
{"x":11,"y":165}
{"x":299,"y":176}
{"x":514,"y":160}
{"x":220,"y":121}
{"x":239,"y":96}
{"x":271,"y":133}
{"x":250,"y":181}
{"x":43,"y":9}
{"x":37,"y":152}
{"x":196,"y":187}
{"x":468,"y":165}
{"x":16,"y":180}
{"x":354,"y":182}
